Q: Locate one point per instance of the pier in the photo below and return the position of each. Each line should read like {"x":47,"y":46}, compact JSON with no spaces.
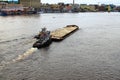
{"x":62,"y":33}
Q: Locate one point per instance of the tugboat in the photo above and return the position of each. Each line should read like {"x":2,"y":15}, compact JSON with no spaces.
{"x":43,"y":39}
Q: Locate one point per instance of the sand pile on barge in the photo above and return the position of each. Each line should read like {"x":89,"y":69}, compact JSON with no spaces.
{"x":61,"y":33}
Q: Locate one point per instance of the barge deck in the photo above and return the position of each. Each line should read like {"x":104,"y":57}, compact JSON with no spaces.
{"x":62,"y":33}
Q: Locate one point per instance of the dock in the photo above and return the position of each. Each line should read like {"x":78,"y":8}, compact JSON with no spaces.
{"x":62,"y":33}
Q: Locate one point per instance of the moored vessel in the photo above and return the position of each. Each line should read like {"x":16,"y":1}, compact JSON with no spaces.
{"x":16,"y":9}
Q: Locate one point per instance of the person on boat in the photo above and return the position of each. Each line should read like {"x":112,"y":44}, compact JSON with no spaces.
{"x":43,"y":33}
{"x":44,"y":29}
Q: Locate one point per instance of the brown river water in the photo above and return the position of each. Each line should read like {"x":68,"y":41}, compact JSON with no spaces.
{"x":91,"y":53}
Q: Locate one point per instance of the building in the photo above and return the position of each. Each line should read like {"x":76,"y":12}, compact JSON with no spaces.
{"x":92,"y":7}
{"x":31,"y":3}
{"x":83,"y":7}
{"x":10,"y":1}
{"x":3,"y":5}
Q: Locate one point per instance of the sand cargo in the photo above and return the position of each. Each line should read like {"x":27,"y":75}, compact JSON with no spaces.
{"x":62,"y":33}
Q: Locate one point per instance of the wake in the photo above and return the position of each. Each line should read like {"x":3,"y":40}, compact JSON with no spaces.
{"x":19,"y":58}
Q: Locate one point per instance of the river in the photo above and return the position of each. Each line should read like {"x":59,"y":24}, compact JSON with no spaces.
{"x":91,"y":53}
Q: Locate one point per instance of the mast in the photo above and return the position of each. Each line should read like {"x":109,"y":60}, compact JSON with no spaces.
{"x":73,"y":2}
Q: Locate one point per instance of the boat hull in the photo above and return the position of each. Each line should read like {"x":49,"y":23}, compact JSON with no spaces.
{"x":37,"y":36}
{"x":3,"y":14}
{"x":38,"y":45}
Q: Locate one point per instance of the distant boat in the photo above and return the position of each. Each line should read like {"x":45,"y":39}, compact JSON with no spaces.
{"x":17,"y":9}
{"x":75,"y":10}
{"x":5,"y":12}
{"x":40,"y":12}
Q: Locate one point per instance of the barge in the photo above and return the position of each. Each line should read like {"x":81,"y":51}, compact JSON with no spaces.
{"x":45,"y":38}
{"x":62,"y":33}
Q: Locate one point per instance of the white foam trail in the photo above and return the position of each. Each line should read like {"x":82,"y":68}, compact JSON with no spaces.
{"x":25,"y":55}
{"x":20,"y":57}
